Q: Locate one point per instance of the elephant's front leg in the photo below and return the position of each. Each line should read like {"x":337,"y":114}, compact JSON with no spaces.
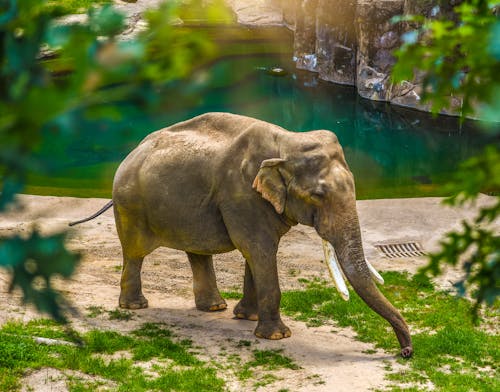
{"x":206,"y":293}
{"x":131,"y":296}
{"x":247,"y":308}
{"x":265,"y":275}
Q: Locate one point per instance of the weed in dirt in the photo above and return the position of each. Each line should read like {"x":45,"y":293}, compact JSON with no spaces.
{"x":19,"y":353}
{"x":450,"y":351}
{"x":272,"y":360}
{"x":265,"y":380}
{"x":118,"y":314}
{"x":153,"y":330}
{"x":94,"y":311}
{"x":244,"y":343}
{"x":231,"y":295}
{"x":293,"y":272}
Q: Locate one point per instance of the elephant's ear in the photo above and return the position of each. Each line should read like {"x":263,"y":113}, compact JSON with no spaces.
{"x":270,"y":184}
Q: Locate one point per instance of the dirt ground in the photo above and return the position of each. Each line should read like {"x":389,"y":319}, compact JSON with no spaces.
{"x":329,"y":357}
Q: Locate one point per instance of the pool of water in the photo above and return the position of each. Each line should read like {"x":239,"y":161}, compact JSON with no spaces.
{"x":393,"y":152}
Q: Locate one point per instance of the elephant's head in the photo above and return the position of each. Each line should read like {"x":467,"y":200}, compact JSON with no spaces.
{"x":310,"y":183}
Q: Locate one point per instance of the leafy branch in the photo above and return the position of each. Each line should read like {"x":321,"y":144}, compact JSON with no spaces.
{"x":90,"y":71}
{"x":459,"y":56}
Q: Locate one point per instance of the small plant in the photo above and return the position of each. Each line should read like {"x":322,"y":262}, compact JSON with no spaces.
{"x":94,"y":311}
{"x":265,"y":380}
{"x":293,"y":272}
{"x":244,"y":343}
{"x":272,"y":360}
{"x":231,"y":295}
{"x":118,"y":314}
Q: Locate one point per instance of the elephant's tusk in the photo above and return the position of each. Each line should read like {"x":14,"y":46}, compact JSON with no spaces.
{"x":335,"y":271}
{"x":375,"y":275}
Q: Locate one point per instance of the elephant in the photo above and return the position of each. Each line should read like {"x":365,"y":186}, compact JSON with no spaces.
{"x":220,"y":182}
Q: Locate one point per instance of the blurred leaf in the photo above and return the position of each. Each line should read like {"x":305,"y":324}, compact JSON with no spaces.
{"x":106,"y":21}
{"x":33,"y":262}
{"x":55,"y":76}
{"x":459,"y":56}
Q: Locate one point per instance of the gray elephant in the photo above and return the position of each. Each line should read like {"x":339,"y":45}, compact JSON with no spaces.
{"x":220,"y":182}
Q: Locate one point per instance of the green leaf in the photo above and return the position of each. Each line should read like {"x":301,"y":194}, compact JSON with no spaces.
{"x":106,"y":21}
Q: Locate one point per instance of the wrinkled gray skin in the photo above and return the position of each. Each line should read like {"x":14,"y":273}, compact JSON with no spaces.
{"x":220,"y":182}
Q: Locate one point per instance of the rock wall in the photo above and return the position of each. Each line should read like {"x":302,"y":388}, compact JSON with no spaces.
{"x":351,"y":42}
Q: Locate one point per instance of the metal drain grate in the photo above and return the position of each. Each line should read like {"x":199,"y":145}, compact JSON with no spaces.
{"x":405,"y":249}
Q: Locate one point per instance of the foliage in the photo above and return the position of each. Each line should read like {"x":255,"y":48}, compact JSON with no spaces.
{"x":451,"y":352}
{"x":476,"y":240}
{"x":33,"y":262}
{"x":18,"y":352}
{"x":75,"y":6}
{"x":461,"y":55}
{"x":53,"y":73}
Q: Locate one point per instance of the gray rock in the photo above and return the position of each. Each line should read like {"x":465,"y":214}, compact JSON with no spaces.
{"x":304,"y":47}
{"x":336,"y":40}
{"x":374,"y":58}
{"x":409,"y":92}
{"x":257,"y":12}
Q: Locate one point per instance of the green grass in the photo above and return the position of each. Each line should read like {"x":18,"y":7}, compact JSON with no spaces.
{"x":265,"y":361}
{"x":272,"y":360}
{"x":182,"y":372}
{"x":94,"y":311}
{"x":118,"y":314}
{"x":450,"y":351}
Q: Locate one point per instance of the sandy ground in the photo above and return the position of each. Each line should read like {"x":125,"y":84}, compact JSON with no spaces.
{"x":330,"y":358}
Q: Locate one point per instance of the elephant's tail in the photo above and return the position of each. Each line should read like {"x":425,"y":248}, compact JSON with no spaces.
{"x":106,"y":207}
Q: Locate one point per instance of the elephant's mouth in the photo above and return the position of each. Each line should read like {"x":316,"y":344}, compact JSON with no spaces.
{"x":337,"y":274}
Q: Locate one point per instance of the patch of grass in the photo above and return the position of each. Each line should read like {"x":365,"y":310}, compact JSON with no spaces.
{"x":450,"y":351}
{"x":244,"y":343}
{"x":19,"y":352}
{"x":118,"y":314}
{"x":272,"y":360}
{"x":94,"y":311}
{"x":265,"y":380}
{"x":231,"y":295}
{"x":153,"y":330}
{"x":265,"y":361}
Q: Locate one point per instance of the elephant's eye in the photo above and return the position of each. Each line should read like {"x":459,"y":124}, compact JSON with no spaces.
{"x":318,"y":195}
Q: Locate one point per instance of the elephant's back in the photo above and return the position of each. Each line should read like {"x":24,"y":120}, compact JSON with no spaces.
{"x":209,"y":129}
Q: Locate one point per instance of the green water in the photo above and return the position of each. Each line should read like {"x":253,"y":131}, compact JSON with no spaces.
{"x":393,"y":152}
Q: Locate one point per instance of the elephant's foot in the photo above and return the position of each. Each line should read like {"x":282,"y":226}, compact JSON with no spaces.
{"x":245,"y":311}
{"x":406,"y":352}
{"x":133,"y":303}
{"x":211,"y":305}
{"x":273,"y":330}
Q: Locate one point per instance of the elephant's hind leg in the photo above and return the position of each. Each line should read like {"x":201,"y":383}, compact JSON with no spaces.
{"x":131,"y":296}
{"x":135,"y":246}
{"x":206,"y":293}
{"x":247,"y":308}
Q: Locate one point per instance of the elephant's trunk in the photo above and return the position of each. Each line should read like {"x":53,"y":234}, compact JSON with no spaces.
{"x":348,"y":246}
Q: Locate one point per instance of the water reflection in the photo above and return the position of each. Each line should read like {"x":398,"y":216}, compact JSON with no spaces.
{"x":393,"y":152}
